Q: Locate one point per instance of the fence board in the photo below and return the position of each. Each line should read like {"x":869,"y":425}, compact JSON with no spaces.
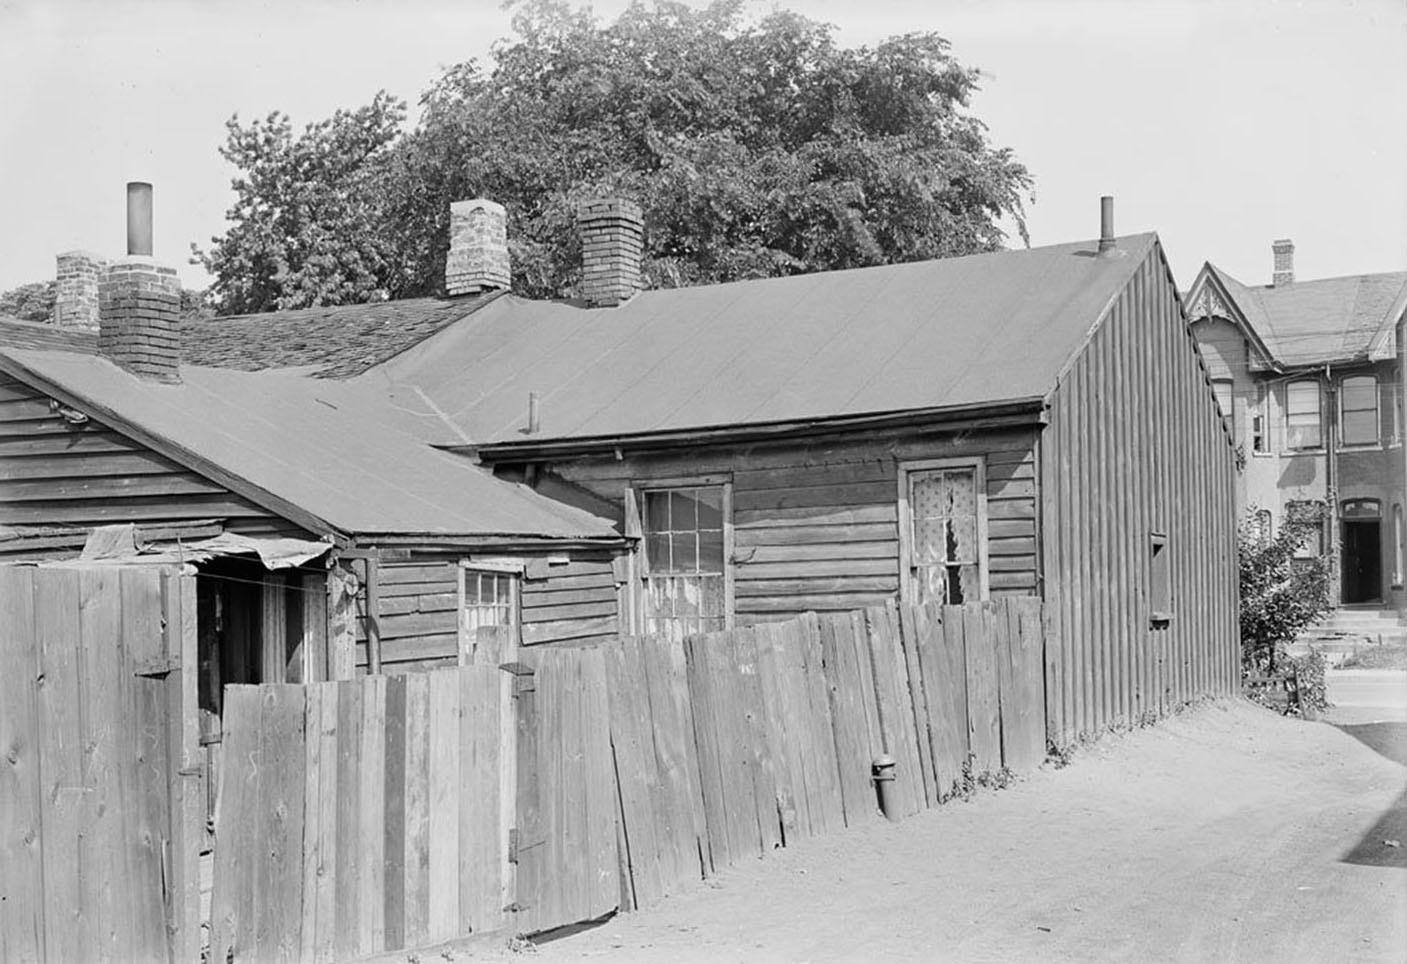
{"x":417,"y":809}
{"x":236,"y":824}
{"x":349,"y":844}
{"x":757,"y":823}
{"x":602,"y":868}
{"x":480,"y":892}
{"x":278,"y":881}
{"x":443,"y":920}
{"x":21,"y":841}
{"x":1024,"y":719}
{"x":828,"y":802}
{"x":394,"y":825}
{"x":60,"y":701}
{"x":636,"y":774}
{"x":909,"y":631}
{"x":704,"y":684}
{"x":983,"y":714}
{"x":850,"y":731}
{"x":896,"y":718}
{"x":779,"y":716}
{"x":679,"y":821}
{"x":944,"y":662}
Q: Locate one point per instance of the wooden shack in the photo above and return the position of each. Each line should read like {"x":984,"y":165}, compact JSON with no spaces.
{"x":1029,"y":422}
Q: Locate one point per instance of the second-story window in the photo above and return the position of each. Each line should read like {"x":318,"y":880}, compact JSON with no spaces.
{"x":1358,"y":410}
{"x":1303,"y":420}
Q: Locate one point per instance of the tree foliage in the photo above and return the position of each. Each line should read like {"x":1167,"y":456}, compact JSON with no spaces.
{"x":29,"y":302}
{"x":755,"y":149}
{"x":1282,"y":592}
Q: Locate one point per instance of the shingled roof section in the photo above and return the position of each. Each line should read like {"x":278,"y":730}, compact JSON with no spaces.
{"x":15,"y":333}
{"x":337,"y":342}
{"x":1312,"y":322}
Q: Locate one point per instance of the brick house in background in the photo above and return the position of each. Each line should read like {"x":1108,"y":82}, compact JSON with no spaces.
{"x":1309,"y":375}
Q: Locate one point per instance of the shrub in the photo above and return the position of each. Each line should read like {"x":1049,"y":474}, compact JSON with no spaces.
{"x":1282,"y":591}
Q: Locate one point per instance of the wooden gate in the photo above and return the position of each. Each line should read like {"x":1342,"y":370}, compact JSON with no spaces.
{"x":362,"y":816}
{"x":100,"y":797}
{"x":567,"y":854}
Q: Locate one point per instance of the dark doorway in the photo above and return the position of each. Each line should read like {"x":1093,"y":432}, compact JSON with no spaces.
{"x":1362,"y":561}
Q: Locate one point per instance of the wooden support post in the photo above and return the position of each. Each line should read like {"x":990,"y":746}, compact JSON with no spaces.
{"x":373,"y":616}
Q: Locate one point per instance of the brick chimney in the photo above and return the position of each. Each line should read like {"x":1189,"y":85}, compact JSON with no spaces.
{"x":612,"y":244}
{"x":1284,"y":251}
{"x":76,"y":293}
{"x":478,"y":248}
{"x":140,"y":302}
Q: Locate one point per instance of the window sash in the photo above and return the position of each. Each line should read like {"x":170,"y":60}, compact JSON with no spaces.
{"x":685,"y":532}
{"x":1358,"y":410}
{"x":1303,"y":416}
{"x":943,"y":531}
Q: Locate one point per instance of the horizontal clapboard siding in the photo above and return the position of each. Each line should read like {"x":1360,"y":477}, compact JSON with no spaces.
{"x":574,"y":603}
{"x":816,"y":526}
{"x":54,"y":473}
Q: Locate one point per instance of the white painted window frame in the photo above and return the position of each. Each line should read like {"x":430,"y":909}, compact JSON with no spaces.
{"x":908,"y":591}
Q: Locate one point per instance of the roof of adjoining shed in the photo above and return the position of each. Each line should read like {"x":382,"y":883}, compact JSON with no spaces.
{"x":336,"y":454}
{"x":15,"y":333}
{"x":335,"y":342}
{"x":1311,"y":322}
{"x":958,"y":332}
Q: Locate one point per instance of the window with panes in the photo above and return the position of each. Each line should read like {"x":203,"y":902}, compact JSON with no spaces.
{"x":1304,"y":427}
{"x":1358,"y":410}
{"x":685,"y":563}
{"x":945,"y":540}
{"x":490,"y":598}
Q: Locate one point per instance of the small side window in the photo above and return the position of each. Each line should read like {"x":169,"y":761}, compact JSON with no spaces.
{"x":1160,"y":582}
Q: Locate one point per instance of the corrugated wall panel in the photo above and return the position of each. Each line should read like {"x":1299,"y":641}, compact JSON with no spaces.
{"x":1135,"y":446}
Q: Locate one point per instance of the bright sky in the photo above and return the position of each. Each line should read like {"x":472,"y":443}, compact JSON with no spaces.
{"x":1222,"y":124}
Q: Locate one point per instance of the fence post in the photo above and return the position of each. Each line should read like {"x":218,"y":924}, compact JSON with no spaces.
{"x":526,"y":833}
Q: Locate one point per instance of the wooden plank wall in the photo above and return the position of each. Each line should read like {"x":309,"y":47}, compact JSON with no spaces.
{"x":816,"y":524}
{"x":373,"y":806}
{"x":53,"y":472}
{"x":93,"y":800}
{"x":573,"y":601}
{"x":1136,"y":445}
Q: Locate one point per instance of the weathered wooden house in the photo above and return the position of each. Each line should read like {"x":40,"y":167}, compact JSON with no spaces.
{"x":1309,"y":377}
{"x":1027,"y":422}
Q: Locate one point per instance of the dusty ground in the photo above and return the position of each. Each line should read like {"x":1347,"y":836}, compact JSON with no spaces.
{"x":1224,"y":834}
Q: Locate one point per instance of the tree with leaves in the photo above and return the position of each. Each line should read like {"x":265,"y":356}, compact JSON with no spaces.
{"x":29,"y":302}
{"x":1283,"y":590}
{"x":755,"y":149}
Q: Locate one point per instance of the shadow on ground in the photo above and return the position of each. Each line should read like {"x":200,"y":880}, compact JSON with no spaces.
{"x":1374,"y":849}
{"x":1386,"y":739}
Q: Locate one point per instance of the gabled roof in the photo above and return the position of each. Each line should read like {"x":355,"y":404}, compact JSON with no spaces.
{"x":952,"y":333}
{"x":336,"y":342}
{"x":15,"y":333}
{"x":319,"y":453}
{"x":1315,"y":322}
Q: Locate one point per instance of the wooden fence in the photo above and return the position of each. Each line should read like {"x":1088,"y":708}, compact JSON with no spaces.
{"x":545,"y":788}
{"x":733,"y":743}
{"x":100,"y":796}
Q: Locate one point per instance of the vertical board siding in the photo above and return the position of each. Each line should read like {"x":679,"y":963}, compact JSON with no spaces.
{"x":816,"y":525}
{"x":1135,"y":445}
{"x":53,"y":472}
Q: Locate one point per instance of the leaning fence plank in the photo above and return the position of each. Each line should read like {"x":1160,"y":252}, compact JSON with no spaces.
{"x":600,"y":809}
{"x":1028,"y":741}
{"x":777,"y":715}
{"x":703,"y":699}
{"x":758,"y":817}
{"x":851,"y":736}
{"x":944,"y":662}
{"x":442,"y":920}
{"x":826,"y":801}
{"x":637,"y":780}
{"x":895,"y":714}
{"x":910,"y":628}
{"x":983,"y":717}
{"x":680,"y":832}
{"x":21,"y":860}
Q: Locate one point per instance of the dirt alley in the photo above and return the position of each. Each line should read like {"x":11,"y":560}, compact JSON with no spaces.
{"x":1223,"y":834}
